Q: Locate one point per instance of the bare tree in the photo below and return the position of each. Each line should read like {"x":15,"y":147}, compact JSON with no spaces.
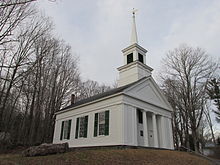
{"x":186,"y":75}
{"x":209,"y":120}
{"x":38,"y":73}
{"x":90,"y":88}
{"x":11,"y":16}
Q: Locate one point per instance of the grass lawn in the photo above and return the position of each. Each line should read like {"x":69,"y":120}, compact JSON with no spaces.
{"x":108,"y":157}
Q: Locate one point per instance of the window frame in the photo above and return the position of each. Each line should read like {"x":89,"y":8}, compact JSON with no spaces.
{"x":141,"y":133}
{"x":65,"y":129}
{"x":141,"y":59}
{"x":83,"y":118}
{"x":103,"y":123}
{"x":78,"y":126}
{"x":140,"y":116}
{"x":97,"y":124}
{"x":131,"y":59}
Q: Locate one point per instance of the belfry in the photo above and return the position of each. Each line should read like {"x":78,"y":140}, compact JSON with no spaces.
{"x":134,"y":67}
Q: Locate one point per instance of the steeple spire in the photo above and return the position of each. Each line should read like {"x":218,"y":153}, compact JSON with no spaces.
{"x":134,"y":67}
{"x":134,"y":38}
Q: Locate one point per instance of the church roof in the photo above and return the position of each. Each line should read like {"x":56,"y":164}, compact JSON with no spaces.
{"x":101,"y":95}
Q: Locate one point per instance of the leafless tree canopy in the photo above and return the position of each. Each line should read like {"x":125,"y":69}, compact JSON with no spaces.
{"x":187,"y":71}
{"x":38,"y":73}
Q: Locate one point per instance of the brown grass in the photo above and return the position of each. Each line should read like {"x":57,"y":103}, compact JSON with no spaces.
{"x":108,"y":157}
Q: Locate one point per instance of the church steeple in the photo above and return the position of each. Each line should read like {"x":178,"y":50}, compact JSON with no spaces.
{"x":134,"y":38}
{"x":134,"y":67}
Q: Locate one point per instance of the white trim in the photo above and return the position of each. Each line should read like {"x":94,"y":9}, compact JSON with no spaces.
{"x":135,"y":45}
{"x":156,"y":87}
{"x":147,"y":110}
{"x":133,"y":64}
{"x":148,"y":103}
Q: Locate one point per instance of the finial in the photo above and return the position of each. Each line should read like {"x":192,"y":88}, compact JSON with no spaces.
{"x":134,"y":31}
{"x":134,"y":11}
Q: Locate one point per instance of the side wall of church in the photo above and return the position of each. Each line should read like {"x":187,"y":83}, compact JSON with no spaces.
{"x":130,"y":125}
{"x":115,"y":125}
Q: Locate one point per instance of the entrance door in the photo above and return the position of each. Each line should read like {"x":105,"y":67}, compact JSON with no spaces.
{"x":151,"y":138}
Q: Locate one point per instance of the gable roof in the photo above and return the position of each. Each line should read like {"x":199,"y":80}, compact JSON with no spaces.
{"x":154,"y":96}
{"x":101,"y":95}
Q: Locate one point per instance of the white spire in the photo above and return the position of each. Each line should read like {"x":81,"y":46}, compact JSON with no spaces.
{"x":134,"y":38}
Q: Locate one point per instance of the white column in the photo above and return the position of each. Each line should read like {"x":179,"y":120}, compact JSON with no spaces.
{"x":135,"y":142}
{"x":155,"y":130}
{"x":171,"y":133}
{"x":135,"y":55}
{"x":146,"y":144}
{"x":123,"y":126}
{"x":163,"y":133}
{"x":125,"y":59}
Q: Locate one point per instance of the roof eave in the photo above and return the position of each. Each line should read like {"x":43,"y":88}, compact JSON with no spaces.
{"x":91,"y":102}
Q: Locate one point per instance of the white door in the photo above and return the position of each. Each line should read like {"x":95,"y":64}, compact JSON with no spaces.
{"x":151,"y":138}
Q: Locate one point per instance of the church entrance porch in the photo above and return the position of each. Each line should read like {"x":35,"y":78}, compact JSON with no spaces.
{"x":149,"y":133}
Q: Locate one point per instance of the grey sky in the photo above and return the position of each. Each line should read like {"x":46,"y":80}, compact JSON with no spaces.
{"x":98,"y":30}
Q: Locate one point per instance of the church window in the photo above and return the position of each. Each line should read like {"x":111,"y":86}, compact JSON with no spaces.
{"x":81,"y":127}
{"x":101,"y":123}
{"x":129,"y":58}
{"x":141,"y":133}
{"x":140,"y":58}
{"x":65,"y":129}
{"x":140,"y":116}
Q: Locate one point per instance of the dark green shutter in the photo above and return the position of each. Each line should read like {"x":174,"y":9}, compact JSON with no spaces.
{"x":77,"y":128}
{"x":85,"y":126}
{"x":96,"y":124}
{"x":61,"y":133}
{"x":69,"y":129}
{"x":106,"y":122}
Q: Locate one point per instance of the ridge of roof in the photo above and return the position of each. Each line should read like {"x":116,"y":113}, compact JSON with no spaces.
{"x":101,"y":95}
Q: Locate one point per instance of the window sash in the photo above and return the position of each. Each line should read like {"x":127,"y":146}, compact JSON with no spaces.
{"x":65,"y":129}
{"x":101,"y":124}
{"x":81,"y":127}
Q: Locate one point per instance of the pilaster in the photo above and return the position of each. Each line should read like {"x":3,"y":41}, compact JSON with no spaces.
{"x":155,"y":129}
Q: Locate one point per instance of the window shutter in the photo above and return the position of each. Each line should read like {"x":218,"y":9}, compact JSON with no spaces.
{"x":61,"y":134}
{"x":96,"y":124}
{"x":69,"y":129}
{"x":85,"y":126}
{"x":106,"y":122}
{"x":77,"y":128}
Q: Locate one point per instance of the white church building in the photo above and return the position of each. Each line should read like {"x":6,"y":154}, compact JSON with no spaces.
{"x":135,"y":114}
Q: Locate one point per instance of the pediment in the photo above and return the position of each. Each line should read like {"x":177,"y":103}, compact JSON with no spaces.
{"x":148,"y":91}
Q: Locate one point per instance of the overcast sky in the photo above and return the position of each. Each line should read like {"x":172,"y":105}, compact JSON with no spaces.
{"x":98,"y":30}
